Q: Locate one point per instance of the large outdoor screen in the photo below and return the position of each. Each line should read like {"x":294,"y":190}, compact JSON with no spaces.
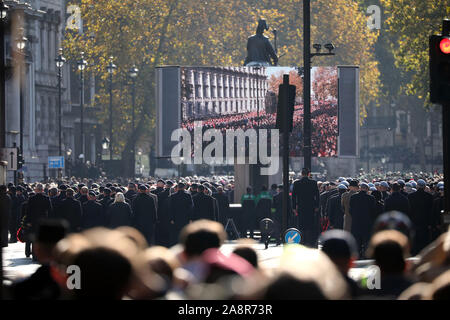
{"x":245,"y":98}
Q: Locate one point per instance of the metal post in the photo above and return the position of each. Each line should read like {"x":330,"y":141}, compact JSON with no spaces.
{"x":286,"y":133}
{"x":21,"y":99}
{"x":81,"y":113}
{"x":2,"y":86}
{"x":59,"y":118}
{"x":110,"y":118}
{"x":307,"y":84}
{"x":133,"y":156}
{"x":446,"y":154}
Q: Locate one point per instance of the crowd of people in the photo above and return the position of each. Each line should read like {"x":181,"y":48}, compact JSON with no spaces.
{"x":323,"y":118}
{"x":162,"y":239}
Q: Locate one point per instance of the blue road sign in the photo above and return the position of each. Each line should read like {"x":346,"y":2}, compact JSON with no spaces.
{"x":56,"y":162}
{"x":292,"y":235}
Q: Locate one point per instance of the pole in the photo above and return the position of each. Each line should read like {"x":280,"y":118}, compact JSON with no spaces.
{"x":21,"y":85}
{"x":307,"y":84}
{"x":133,"y":155}
{"x":286,"y":132}
{"x":2,"y":87}
{"x":81,"y":112}
{"x":59,"y":118}
{"x":110,"y":118}
{"x":446,"y":154}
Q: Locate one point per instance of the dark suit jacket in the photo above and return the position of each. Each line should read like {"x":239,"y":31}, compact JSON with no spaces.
{"x":362,"y":210}
{"x":421,"y":208}
{"x":92,"y":215}
{"x":71,"y":211}
{"x":39,"y":207}
{"x":397,"y":201}
{"x":180,"y":208}
{"x":305,"y":197}
{"x":204,"y":207}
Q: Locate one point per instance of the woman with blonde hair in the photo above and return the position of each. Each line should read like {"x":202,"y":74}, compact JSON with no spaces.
{"x":119,"y":212}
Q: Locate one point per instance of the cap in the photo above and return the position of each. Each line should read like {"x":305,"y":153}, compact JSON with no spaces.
{"x":92,"y":194}
{"x":143,"y":187}
{"x":342,"y":187}
{"x":169,"y":182}
{"x":364,"y":185}
{"x":440,"y":184}
{"x":384,"y":184}
{"x":376,"y":184}
{"x":161,"y":180}
{"x":341,"y":179}
{"x":373,"y":189}
{"x":401,"y":182}
{"x":345,"y":183}
{"x":408,"y":184}
{"x":338,"y":244}
{"x":181,"y":185}
{"x":354,"y":183}
{"x":371,"y":185}
{"x":421,"y":183}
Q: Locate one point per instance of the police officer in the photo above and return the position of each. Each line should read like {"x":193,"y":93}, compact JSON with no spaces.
{"x":421,"y":210}
{"x":180,"y":208}
{"x":145,"y":216}
{"x":396,"y":201}
{"x":334,"y":208}
{"x":203,"y":205}
{"x":92,"y":213}
{"x":362,"y":211}
{"x":305,"y":197}
{"x":248,"y":221}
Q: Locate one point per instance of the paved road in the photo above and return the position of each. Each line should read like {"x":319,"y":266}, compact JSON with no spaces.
{"x":16,"y":266}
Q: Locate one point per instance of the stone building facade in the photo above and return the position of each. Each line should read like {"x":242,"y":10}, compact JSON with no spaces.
{"x":43,"y":24}
{"x":210,"y":91}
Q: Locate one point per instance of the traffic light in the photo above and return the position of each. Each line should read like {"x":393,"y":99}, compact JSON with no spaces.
{"x":281,"y":106}
{"x":440,"y":65}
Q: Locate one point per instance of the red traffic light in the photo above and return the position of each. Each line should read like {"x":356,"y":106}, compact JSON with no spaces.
{"x":445,"y":45}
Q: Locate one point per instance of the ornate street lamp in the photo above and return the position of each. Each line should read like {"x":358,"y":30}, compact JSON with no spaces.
{"x":60,"y":60}
{"x":110,"y":68}
{"x":81,"y":67}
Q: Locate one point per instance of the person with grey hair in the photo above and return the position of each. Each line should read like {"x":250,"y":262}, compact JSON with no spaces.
{"x":362,"y":212}
{"x":119,"y":212}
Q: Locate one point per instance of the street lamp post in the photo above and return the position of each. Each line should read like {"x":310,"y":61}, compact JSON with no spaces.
{"x":110,"y":68}
{"x":133,"y":74}
{"x":21,"y":43}
{"x":59,"y":64}
{"x":81,"y":67}
{"x":3,"y":14}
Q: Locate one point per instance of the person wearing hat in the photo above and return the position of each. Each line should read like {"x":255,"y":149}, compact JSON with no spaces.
{"x":180,"y":208}
{"x":277,"y":213}
{"x":436,"y":221}
{"x":305,"y":198}
{"x":397,"y":201}
{"x":334,"y":208}
{"x":5,"y":212}
{"x":39,"y":208}
{"x":106,"y":201}
{"x":131,"y":192}
{"x":41,"y":284}
{"x":362,"y":211}
{"x":145,"y":217}
{"x":92,"y":213}
{"x":159,"y":186}
{"x":353,"y":188}
{"x":71,"y":211}
{"x":384,"y":187}
{"x":223,"y":204}
{"x":203,"y":205}
{"x":340,"y":246}
{"x":17,"y":201}
{"x":163,"y":226}
{"x":421,"y":212}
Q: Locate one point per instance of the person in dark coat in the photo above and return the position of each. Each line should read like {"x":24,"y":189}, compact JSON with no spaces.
{"x":335,"y":212}
{"x":92,"y":213}
{"x":248,"y":219}
{"x":71,"y":211}
{"x":83,"y":195}
{"x":180,"y":208}
{"x":39,"y":208}
{"x":421,"y":215}
{"x":119,"y":213}
{"x":131,"y":192}
{"x":17,"y":201}
{"x":164,"y":228}
{"x":203,"y":205}
{"x":362,"y":211}
{"x":223,"y":204}
{"x":106,"y":201}
{"x":305,"y":198}
{"x":277,"y":213}
{"x":145,"y":215}
{"x":397,"y":201}
{"x":379,"y":205}
{"x":436,"y":220}
{"x":159,"y":186}
{"x":5,"y":212}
